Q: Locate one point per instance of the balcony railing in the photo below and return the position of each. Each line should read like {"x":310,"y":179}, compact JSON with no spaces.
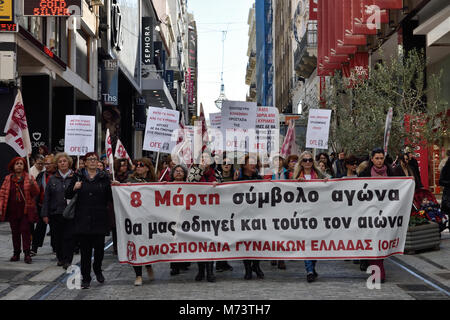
{"x":304,"y":62}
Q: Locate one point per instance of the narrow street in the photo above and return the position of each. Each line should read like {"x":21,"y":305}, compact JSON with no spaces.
{"x":338,"y":280}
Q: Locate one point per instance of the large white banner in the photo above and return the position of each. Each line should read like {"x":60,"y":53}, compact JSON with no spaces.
{"x":359,"y":218}
{"x":161,"y":123}
{"x":79,"y":135}
{"x":318,"y":128}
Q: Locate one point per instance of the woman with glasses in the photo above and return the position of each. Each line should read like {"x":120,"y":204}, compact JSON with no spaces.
{"x":17,"y":206}
{"x":53,"y":207}
{"x":377,"y":168}
{"x":144,"y":173}
{"x":205,"y":172}
{"x":91,"y":216}
{"x":41,"y":227}
{"x":178,"y":174}
{"x":307,"y":170}
{"x":351,"y":164}
{"x":38,"y":166}
{"x":249,"y":171}
{"x":226,"y":169}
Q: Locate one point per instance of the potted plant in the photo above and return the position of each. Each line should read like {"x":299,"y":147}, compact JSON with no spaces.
{"x":422,"y":234}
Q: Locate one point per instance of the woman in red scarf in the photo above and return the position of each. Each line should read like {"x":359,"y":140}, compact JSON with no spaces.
{"x":17,"y":206}
{"x":377,"y":168}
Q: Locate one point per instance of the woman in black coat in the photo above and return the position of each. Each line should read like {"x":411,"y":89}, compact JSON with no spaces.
{"x":377,"y":168}
{"x":444,"y":181}
{"x":91,"y":216}
{"x":53,"y":207}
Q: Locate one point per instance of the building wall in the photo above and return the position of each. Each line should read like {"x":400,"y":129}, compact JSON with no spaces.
{"x":283,"y":55}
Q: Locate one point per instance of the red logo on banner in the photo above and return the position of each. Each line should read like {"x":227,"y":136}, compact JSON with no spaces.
{"x":131,"y":251}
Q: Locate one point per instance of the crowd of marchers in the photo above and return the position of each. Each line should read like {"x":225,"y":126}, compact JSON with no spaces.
{"x":31,"y":199}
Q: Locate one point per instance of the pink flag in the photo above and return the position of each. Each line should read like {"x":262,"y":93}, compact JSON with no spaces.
{"x":16,"y":128}
{"x":121,"y":153}
{"x":289,"y":145}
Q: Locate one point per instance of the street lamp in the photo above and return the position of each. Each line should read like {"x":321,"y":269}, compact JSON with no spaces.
{"x":222,"y":96}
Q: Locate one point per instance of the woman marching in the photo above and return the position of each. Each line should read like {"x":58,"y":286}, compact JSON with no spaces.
{"x":178,"y":174}
{"x":376,"y":168}
{"x":53,"y":207}
{"x":249,"y":172}
{"x":307,"y":170}
{"x":91,"y":216}
{"x":205,"y":172}
{"x":144,"y":173}
{"x":17,"y":206}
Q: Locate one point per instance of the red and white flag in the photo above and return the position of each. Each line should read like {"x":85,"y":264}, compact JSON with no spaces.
{"x":201,"y":137}
{"x":16,"y":129}
{"x":121,"y":153}
{"x":183,"y":149}
{"x":289,"y":145}
{"x":109,"y":154}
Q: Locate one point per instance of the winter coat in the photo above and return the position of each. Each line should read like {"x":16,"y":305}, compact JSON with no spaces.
{"x":31,"y":190}
{"x":91,"y":210}
{"x":54,"y":200}
{"x":367,"y":172}
{"x":444,"y":181}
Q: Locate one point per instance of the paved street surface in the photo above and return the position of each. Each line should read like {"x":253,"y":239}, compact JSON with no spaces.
{"x":341,"y":280}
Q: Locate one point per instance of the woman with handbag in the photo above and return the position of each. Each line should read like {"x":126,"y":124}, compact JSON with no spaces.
{"x":17,"y":206}
{"x":91,"y":216}
{"x":53,"y":206}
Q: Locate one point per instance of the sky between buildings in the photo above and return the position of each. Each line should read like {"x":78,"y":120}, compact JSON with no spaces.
{"x":212,"y":17}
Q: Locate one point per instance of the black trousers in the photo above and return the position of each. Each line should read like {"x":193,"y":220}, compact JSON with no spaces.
{"x":138,"y":270}
{"x":89,"y":242}
{"x":62,"y":237}
{"x":39,"y":234}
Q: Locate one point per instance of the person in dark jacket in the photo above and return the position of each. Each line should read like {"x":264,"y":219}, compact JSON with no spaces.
{"x":444,"y":181}
{"x":404,"y":169}
{"x":144,"y":173}
{"x":205,"y":172}
{"x":249,"y":172}
{"x":53,"y":207}
{"x":376,"y":168}
{"x":91,"y":216}
{"x":41,"y":227}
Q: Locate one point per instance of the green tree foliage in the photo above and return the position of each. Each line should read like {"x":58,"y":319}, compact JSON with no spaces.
{"x":360,"y":107}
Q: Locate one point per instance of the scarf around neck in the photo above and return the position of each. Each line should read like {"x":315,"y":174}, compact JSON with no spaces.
{"x":379,"y":171}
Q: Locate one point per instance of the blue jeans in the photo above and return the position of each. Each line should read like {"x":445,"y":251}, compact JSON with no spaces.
{"x":310,"y":265}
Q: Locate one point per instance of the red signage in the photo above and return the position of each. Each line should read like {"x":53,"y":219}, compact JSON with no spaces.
{"x":11,"y":27}
{"x":51,"y":8}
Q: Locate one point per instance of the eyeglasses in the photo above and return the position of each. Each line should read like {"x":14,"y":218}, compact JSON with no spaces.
{"x":91,"y":159}
{"x":308,"y":160}
{"x":140,"y":165}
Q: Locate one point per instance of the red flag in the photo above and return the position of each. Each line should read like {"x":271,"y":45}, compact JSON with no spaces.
{"x":16,"y":129}
{"x":121,"y":153}
{"x":289,"y":145}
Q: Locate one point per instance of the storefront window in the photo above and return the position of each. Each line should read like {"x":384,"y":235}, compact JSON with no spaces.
{"x":54,"y":35}
{"x":82,"y":54}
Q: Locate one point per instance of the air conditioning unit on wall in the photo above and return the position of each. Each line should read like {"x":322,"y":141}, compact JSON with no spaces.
{"x":7,"y":66}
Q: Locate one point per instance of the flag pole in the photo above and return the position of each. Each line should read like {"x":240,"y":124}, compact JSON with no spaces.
{"x":157,"y":160}
{"x":78,"y":162}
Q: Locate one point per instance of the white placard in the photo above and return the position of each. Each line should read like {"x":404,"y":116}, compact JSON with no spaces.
{"x":238,"y":117}
{"x":79,"y":135}
{"x":318,"y":128}
{"x":161,"y":123}
{"x":268,"y":130}
{"x":215,"y":120}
